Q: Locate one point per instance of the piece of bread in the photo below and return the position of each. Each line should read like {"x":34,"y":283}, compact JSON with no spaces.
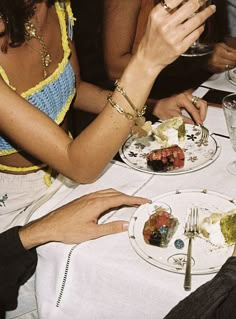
{"x":228,"y":227}
{"x":170,"y":132}
{"x":220,"y":228}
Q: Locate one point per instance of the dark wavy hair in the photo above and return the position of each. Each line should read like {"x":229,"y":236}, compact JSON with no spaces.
{"x":14,"y":14}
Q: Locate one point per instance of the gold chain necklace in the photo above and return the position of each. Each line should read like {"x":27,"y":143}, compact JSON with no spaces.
{"x":30,"y":33}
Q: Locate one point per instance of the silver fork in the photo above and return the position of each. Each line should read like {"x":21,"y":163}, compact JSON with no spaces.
{"x":191,"y":230}
{"x":204,"y":136}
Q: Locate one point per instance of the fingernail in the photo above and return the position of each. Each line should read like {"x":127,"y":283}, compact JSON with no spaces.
{"x":125,"y":226}
{"x":213,"y":7}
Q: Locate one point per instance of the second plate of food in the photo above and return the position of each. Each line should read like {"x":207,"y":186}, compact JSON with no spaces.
{"x":197,"y":156}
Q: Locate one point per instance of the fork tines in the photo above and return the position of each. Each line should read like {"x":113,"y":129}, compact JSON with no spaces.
{"x":205,"y":134}
{"x":192,"y":223}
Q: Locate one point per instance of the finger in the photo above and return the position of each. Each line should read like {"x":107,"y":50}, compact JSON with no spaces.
{"x":171,"y":4}
{"x":188,"y":19}
{"x":197,"y":109}
{"x":202,"y":109}
{"x":103,"y":193}
{"x":112,"y":194}
{"x":122,"y":199}
{"x":187,"y":120}
{"x":100,"y":205}
{"x":111,"y":228}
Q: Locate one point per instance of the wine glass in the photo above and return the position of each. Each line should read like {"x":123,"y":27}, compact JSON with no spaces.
{"x":229,"y":107}
{"x":198,"y":48}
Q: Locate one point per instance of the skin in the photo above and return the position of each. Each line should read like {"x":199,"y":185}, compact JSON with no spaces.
{"x":47,"y":142}
{"x":80,"y":217}
{"x":120,"y":23}
{"x":122,"y":18}
{"x":223,"y":55}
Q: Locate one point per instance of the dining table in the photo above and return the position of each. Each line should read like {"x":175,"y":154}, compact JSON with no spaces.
{"x":110,"y":277}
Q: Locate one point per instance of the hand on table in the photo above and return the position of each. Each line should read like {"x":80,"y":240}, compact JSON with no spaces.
{"x":222,"y":58}
{"x":76,"y":221}
{"x":172,"y":106}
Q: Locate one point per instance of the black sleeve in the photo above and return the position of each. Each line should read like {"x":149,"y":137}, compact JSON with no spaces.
{"x":215,"y":299}
{"x":17,"y":265}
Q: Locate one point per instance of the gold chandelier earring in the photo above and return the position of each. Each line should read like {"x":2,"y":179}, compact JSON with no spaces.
{"x":33,"y":32}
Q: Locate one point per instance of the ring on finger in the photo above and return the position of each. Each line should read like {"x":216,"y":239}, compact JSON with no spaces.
{"x":165,"y":6}
{"x":227,"y":67}
{"x":194,"y":101}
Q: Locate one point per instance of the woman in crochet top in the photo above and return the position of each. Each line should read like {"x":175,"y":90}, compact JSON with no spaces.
{"x":39,"y":81}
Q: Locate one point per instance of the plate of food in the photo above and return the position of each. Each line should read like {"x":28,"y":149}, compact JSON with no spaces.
{"x":170,"y":148}
{"x":156,"y":230}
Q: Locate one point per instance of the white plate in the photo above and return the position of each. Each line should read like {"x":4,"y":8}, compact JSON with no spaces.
{"x":135,"y":149}
{"x":206,"y":258}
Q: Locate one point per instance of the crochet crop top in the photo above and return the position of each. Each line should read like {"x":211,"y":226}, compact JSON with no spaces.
{"x":54,"y":94}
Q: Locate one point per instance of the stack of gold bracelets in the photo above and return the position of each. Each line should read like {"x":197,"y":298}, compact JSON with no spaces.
{"x":137,"y":117}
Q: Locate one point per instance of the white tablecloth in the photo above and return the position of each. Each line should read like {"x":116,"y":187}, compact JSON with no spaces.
{"x":105,"y":278}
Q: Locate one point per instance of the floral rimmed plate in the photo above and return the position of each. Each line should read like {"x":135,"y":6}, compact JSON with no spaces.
{"x":206,"y":258}
{"x":135,"y":149}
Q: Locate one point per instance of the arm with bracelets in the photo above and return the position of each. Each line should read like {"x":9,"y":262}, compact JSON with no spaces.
{"x":168,"y":34}
{"x":166,"y":37}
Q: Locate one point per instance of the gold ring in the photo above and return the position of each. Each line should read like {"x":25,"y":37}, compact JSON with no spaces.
{"x":194,"y":100}
{"x":165,"y":6}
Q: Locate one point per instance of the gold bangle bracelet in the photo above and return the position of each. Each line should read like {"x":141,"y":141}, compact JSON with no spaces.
{"x":139,"y":113}
{"x":139,"y":125}
{"x":119,"y":109}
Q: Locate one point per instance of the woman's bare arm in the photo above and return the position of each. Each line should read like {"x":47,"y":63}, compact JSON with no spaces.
{"x":119,"y":15}
{"x":85,"y":158}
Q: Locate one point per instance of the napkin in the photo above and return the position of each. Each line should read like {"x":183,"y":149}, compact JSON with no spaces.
{"x":219,"y":82}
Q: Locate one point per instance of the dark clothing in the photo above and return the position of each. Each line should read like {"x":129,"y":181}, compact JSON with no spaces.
{"x":17,"y":265}
{"x":216,"y":299}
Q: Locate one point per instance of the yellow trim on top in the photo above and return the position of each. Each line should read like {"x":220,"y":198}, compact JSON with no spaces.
{"x":66,"y":48}
{"x":60,"y":117}
{"x":5,"y":78}
{"x":8,"y":152}
{"x":19,"y":169}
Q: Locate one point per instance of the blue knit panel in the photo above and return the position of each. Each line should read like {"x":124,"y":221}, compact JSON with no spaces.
{"x":51,"y":98}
